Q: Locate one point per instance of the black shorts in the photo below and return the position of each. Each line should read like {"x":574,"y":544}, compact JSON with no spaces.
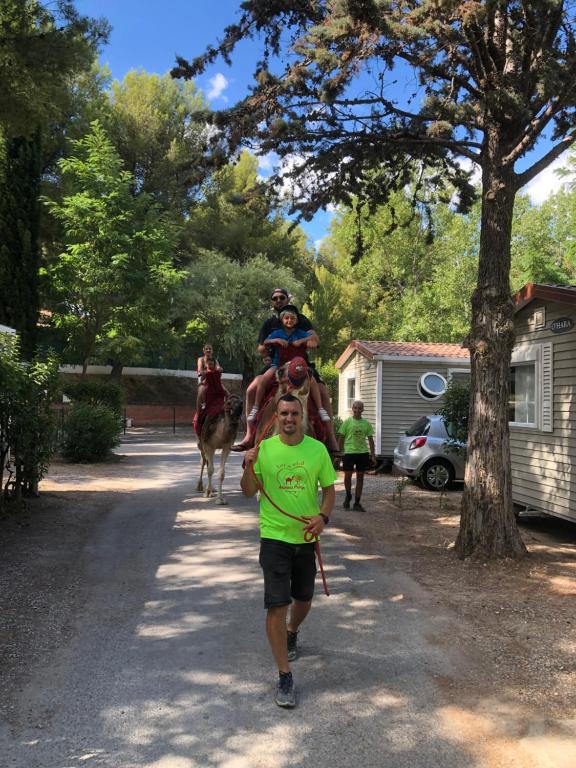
{"x":359,"y":461}
{"x":289,"y":572}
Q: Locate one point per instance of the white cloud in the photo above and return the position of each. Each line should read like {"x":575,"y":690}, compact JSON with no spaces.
{"x":318,"y":243}
{"x":266,"y":162}
{"x":546,"y":183}
{"x":331,"y":208}
{"x":218,"y":85}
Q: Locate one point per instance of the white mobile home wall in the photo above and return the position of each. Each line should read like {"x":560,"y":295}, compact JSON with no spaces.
{"x":389,"y":390}
{"x":542,"y":477}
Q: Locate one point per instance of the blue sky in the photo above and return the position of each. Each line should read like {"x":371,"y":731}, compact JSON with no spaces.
{"x":149,"y":35}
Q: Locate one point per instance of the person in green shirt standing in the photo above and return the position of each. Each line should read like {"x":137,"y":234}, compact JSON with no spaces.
{"x":353,"y":434}
{"x":290,"y":466}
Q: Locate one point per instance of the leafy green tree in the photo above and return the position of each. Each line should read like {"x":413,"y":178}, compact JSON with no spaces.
{"x":440,"y":309}
{"x":115,"y":280}
{"x":225,"y":302}
{"x":542,"y":248}
{"x":409,"y":285}
{"x":492,"y":77}
{"x":237,"y":218}
{"x":150,"y":120}
{"x":336,"y":306}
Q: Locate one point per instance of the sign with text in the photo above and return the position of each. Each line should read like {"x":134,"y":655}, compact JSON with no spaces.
{"x":561,"y":325}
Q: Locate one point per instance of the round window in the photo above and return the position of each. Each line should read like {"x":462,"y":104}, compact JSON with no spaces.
{"x":431,"y":385}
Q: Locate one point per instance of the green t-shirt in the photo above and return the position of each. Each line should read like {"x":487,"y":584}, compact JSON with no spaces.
{"x":291,"y":475}
{"x":355,"y":432}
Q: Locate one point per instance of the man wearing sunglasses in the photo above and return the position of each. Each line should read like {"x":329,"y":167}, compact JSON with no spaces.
{"x":280,"y":298}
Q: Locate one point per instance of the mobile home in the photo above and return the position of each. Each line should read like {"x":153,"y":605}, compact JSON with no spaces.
{"x":398,"y":382}
{"x":542,"y":413}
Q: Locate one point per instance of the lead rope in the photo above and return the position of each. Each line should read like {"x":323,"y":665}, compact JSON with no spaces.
{"x":308,"y":537}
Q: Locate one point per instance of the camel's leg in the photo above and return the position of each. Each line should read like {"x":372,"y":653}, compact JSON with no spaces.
{"x":223,"y":457}
{"x":200,"y":485}
{"x":209,"y":452}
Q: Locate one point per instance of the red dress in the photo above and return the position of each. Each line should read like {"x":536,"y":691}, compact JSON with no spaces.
{"x":215,"y":396}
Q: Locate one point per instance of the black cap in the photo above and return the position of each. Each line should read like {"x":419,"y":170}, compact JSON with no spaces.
{"x":289,"y":308}
{"x":280,"y":290}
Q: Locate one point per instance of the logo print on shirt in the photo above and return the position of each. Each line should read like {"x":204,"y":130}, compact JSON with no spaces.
{"x":292,"y":479}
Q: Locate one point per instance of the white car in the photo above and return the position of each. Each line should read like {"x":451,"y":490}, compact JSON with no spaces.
{"x":427,"y":452}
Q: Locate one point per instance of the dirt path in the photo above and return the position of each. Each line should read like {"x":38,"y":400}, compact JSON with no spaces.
{"x":121,"y":595}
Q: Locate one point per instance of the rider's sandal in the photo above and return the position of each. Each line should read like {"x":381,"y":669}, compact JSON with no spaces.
{"x":241,"y":447}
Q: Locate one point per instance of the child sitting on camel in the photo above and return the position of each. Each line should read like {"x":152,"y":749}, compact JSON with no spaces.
{"x":288,"y":342}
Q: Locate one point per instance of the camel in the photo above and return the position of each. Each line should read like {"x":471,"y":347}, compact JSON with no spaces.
{"x":218,"y":432}
{"x":292,"y":377}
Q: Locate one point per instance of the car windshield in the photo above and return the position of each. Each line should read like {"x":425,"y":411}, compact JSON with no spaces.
{"x":420,"y":427}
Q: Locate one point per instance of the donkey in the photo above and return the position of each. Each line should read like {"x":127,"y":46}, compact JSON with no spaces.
{"x":218,"y":432}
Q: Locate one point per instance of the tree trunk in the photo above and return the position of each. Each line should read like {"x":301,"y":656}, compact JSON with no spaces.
{"x":488,"y":528}
{"x":116,"y":372}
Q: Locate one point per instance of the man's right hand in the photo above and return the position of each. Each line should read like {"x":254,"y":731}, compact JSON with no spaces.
{"x":251,"y":455}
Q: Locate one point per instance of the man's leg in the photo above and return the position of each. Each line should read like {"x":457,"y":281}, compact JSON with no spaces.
{"x":347,"y":488}
{"x":250,"y":426}
{"x":325,"y":397}
{"x":298,"y":612}
{"x":200,"y":397}
{"x":277,"y":635}
{"x":358,"y":493}
{"x":251,"y":393}
{"x":359,"y":485}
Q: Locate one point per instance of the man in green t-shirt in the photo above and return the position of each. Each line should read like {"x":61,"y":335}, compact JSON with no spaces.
{"x":290,"y":466}
{"x":353,"y":434}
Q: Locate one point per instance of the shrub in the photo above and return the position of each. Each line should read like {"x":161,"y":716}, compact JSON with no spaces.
{"x":454,"y":409}
{"x":26,"y":421}
{"x":90,"y":432}
{"x":336,"y":423}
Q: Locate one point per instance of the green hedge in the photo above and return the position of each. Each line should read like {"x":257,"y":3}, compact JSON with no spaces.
{"x":90,"y":432}
{"x":96,"y":393}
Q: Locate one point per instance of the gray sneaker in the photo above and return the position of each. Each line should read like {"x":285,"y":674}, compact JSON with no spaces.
{"x":292,"y":646}
{"x":285,"y":693}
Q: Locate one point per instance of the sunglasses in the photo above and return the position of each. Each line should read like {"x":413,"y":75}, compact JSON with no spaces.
{"x":279,"y":298}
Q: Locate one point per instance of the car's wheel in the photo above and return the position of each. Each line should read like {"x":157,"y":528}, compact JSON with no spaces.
{"x":437,"y":474}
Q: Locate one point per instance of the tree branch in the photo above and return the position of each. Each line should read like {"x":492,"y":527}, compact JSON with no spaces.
{"x":523,"y":178}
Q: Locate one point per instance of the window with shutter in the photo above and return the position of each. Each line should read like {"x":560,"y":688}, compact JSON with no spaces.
{"x":547,"y":412}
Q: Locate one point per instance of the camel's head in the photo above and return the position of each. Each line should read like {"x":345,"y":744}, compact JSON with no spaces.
{"x":293,"y":376}
{"x":233,"y":406}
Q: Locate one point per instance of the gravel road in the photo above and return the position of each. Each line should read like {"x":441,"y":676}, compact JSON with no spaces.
{"x":165,"y":663}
